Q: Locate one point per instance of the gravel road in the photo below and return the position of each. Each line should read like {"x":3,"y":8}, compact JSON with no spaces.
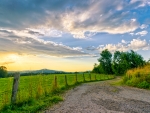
{"x":101,"y":97}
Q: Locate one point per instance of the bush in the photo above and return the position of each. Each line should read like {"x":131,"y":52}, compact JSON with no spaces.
{"x":144,"y":85}
{"x":129,"y":82}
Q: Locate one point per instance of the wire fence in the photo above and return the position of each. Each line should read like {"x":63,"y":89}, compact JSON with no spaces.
{"x":42,"y":85}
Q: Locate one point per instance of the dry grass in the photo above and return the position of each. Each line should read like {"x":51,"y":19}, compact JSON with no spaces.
{"x":141,"y":70}
{"x":139,"y":77}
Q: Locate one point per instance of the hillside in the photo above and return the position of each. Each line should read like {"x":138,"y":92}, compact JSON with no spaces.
{"x":38,"y":71}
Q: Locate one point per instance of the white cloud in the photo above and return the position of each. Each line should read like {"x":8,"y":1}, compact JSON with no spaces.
{"x":45,"y":32}
{"x":142,"y":33}
{"x":140,"y":3}
{"x":138,"y":44}
{"x":123,"y":41}
{"x":135,"y":44}
{"x":131,"y":34}
{"x":77,"y":48}
{"x":143,"y":26}
{"x":78,"y":18}
{"x":25,"y":42}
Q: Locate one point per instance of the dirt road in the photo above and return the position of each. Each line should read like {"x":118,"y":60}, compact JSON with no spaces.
{"x":101,"y":97}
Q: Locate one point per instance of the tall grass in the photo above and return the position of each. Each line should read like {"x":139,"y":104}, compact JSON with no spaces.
{"x":139,"y":77}
{"x":35,"y":92}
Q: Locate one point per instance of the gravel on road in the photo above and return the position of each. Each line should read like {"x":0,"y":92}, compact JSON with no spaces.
{"x":102,"y":97}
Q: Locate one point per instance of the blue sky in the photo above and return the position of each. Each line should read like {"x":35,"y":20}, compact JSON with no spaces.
{"x":70,"y":34}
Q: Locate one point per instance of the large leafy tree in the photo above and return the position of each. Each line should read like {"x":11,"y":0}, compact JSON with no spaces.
{"x":3,"y":71}
{"x":105,"y":61}
{"x":136,"y":60}
{"x":122,"y":61}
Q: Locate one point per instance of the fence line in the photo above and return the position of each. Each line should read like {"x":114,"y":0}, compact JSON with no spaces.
{"x":37,"y":86}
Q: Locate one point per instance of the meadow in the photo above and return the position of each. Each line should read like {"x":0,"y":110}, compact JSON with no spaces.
{"x":40,"y":91}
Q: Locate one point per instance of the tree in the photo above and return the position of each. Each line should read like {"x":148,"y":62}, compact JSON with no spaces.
{"x":120,"y":62}
{"x":123,"y":61}
{"x":3,"y":71}
{"x":97,"y":69}
{"x":136,"y":60}
{"x":105,"y":61}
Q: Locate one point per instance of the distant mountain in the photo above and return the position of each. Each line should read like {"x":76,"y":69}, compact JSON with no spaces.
{"x":38,"y":71}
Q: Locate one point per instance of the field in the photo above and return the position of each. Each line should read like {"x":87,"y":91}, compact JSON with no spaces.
{"x":41,"y":86}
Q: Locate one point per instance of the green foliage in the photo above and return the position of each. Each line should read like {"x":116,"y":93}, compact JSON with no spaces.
{"x":32,"y":105}
{"x":97,"y":69}
{"x":3,"y":72}
{"x":56,"y":99}
{"x":136,"y":60}
{"x":139,"y":77}
{"x":122,"y":61}
{"x":124,"y":79}
{"x":144,"y":85}
{"x":105,"y":61}
{"x":119,"y":64}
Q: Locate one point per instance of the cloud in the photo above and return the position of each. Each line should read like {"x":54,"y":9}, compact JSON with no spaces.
{"x":30,"y":44}
{"x":140,"y":3}
{"x":77,"y":48}
{"x":138,"y":44}
{"x":74,"y":17}
{"x":123,"y":41}
{"x":45,"y":32}
{"x":135,"y":44}
{"x":143,"y":26}
{"x":91,"y":48}
{"x":7,"y":63}
{"x":142,"y":33}
{"x":26,"y":24}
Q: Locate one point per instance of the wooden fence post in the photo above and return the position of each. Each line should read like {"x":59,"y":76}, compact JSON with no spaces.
{"x":55,"y":82}
{"x":15,"y":87}
{"x":66,"y":81}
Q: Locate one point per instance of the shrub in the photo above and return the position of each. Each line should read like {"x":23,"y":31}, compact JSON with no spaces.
{"x":144,"y":85}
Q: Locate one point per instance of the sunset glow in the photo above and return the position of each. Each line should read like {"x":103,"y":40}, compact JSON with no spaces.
{"x":69,"y":35}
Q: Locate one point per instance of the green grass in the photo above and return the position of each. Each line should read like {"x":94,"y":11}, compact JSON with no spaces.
{"x":41,"y":91}
{"x":139,"y":77}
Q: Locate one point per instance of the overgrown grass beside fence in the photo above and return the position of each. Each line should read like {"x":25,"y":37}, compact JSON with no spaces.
{"x":41,"y":86}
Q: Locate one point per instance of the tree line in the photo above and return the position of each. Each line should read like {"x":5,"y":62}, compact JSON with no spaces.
{"x":3,"y":71}
{"x":118,"y":63}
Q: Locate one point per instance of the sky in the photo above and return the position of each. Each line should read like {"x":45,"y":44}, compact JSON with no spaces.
{"x":69,"y":35}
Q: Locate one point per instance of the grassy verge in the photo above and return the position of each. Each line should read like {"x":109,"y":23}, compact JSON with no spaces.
{"x":34,"y":105}
{"x":39,"y":92}
{"x":139,"y":77}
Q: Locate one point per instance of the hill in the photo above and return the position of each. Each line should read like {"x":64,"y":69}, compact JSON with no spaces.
{"x":45,"y":71}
